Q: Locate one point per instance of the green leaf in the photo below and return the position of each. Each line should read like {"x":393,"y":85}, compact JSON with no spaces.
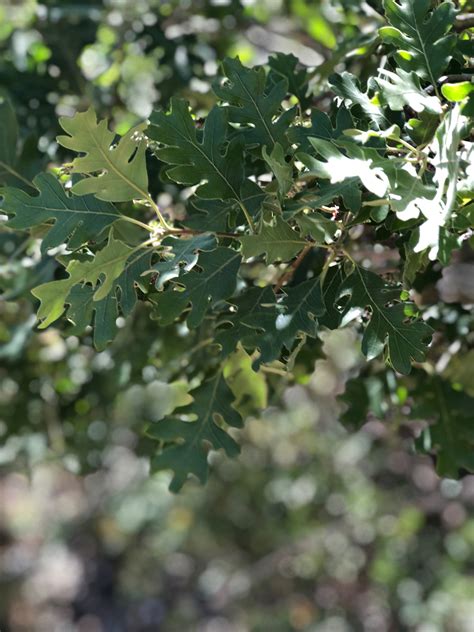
{"x":253,"y":324}
{"x":262,"y":324}
{"x":278,"y":241}
{"x":451,"y":436}
{"x":287,"y":67}
{"x":215,"y":281}
{"x":76,"y":219}
{"x":84,"y":311}
{"x":194,"y":156}
{"x":347,"y":87}
{"x":185,"y":451}
{"x":255,"y":103}
{"x":320,"y":127}
{"x":283,"y":170}
{"x":415,"y":262}
{"x":102,"y":271}
{"x":178,"y":251}
{"x":421,"y":130}
{"x":302,"y":304}
{"x":218,"y":215}
{"x":456,"y":92}
{"x":249,"y":387}
{"x":8,"y":134}
{"x":331,"y":285}
{"x":359,"y":162}
{"x":317,"y":226}
{"x":117,"y":170}
{"x":324,"y":195}
{"x":446,"y":162}
{"x":420,"y":35}
{"x":389,"y":328}
{"x":403,"y":88}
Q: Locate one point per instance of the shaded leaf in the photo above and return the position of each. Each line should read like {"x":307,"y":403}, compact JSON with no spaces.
{"x":255,"y":102}
{"x":289,"y":67}
{"x":317,"y":226}
{"x":278,"y":241}
{"x":196,"y":156}
{"x":8,"y":133}
{"x":215,"y":281}
{"x":185,"y":448}
{"x":180,"y":255}
{"x":320,"y":127}
{"x":76,"y":219}
{"x":389,"y":328}
{"x":451,"y":436}
{"x":283,"y":170}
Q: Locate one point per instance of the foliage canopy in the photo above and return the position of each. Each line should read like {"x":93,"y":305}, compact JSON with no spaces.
{"x":282,"y":188}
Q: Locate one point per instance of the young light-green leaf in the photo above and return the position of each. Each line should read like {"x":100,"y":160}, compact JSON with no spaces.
{"x":107,"y":265}
{"x":117,"y":170}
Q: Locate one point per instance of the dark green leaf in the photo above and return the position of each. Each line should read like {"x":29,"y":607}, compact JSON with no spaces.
{"x":278,"y":241}
{"x":186,"y":442}
{"x":420,"y":35}
{"x":76,"y":219}
{"x":403,"y":337}
{"x":195,"y":157}
{"x":215,"y":281}
{"x":255,"y":103}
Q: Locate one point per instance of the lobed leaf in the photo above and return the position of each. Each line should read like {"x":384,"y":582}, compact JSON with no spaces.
{"x":117,"y":170}
{"x":186,"y":443}
{"x":278,"y":241}
{"x":76,"y":219}
{"x":255,"y":103}
{"x":419,"y":35}
{"x":389,"y":327}
{"x":215,"y":281}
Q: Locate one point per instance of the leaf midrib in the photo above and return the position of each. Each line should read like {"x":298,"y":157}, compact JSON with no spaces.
{"x":381,"y":312}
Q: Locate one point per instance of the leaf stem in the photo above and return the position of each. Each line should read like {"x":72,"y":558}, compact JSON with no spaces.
{"x":247,"y":216}
{"x":191,"y":231}
{"x":327,"y":264}
{"x":155,"y":207}
{"x":137,"y":222}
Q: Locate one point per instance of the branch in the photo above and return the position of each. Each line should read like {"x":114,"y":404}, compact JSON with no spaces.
{"x":464,"y":21}
{"x":293,"y":267}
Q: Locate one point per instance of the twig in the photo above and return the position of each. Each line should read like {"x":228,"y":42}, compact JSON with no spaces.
{"x":293,"y":267}
{"x":464,"y":21}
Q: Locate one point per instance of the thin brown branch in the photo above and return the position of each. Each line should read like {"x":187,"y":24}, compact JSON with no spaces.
{"x":464,"y":21}
{"x":288,"y":275}
{"x":190,"y":231}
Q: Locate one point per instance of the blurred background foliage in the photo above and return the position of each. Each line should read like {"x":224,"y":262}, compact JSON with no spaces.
{"x":312,"y":528}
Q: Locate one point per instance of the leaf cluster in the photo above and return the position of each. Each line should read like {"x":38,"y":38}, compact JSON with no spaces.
{"x":265,"y":256}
